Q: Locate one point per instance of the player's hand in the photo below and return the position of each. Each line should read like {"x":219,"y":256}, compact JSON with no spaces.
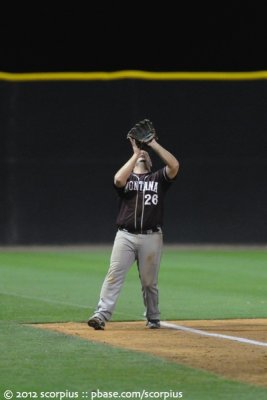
{"x":136,"y":149}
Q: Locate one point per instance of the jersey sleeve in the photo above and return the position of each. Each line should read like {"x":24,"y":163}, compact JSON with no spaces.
{"x":166,"y":176}
{"x":119,"y":190}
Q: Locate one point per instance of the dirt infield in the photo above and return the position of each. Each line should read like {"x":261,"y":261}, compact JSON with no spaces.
{"x":235,"y":349}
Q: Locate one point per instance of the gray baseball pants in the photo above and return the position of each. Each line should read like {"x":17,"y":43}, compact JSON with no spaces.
{"x":127,"y":248}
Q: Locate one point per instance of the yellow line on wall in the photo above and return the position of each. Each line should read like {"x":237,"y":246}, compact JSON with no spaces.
{"x":131,"y":74}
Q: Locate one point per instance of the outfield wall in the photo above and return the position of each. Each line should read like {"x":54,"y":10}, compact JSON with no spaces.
{"x":63,"y":140}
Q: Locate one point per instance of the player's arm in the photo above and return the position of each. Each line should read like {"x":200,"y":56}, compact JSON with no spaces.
{"x":172,"y":164}
{"x":121,"y":176}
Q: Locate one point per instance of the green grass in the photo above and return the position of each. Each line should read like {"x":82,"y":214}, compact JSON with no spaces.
{"x":64,"y":286}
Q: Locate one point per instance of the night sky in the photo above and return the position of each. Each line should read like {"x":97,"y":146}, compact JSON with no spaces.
{"x":187,"y":37}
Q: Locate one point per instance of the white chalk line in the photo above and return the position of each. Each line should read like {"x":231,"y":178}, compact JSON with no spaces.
{"x":216,"y":335}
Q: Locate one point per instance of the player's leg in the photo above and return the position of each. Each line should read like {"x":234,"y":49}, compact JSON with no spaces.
{"x":144,"y":299}
{"x":149,"y":256}
{"x":122,"y":258}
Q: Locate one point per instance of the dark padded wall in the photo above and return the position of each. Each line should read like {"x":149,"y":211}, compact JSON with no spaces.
{"x":62,"y":142}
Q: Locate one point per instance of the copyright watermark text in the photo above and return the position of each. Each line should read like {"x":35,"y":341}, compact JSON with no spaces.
{"x":94,"y":395}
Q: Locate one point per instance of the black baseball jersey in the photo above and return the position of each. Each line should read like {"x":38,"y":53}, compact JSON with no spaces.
{"x":142,"y":200}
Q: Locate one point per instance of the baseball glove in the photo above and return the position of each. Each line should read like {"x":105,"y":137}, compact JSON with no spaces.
{"x":142,"y":132}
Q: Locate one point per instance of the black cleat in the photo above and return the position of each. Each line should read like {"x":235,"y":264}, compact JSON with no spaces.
{"x":153,"y":324}
{"x":96,"y":323}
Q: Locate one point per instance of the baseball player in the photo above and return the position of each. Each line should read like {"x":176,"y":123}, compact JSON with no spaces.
{"x":139,"y":236}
